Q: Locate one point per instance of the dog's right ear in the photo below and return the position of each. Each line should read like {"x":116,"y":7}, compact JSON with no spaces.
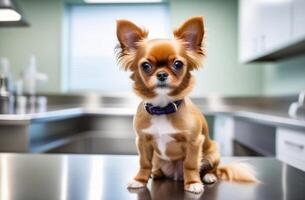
{"x":129,"y":34}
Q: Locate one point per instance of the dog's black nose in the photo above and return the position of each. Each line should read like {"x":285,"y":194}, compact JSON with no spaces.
{"x":162,"y":76}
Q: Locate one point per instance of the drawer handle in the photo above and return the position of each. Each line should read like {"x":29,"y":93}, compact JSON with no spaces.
{"x":293,"y":144}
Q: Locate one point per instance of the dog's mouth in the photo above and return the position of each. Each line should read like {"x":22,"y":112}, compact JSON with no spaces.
{"x":162,"y":85}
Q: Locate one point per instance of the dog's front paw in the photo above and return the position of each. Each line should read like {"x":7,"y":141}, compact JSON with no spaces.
{"x":196,"y":188}
{"x":209,"y":178}
{"x":134,"y":184}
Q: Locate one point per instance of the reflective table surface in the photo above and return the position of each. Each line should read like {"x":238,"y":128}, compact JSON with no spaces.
{"x":39,"y":176}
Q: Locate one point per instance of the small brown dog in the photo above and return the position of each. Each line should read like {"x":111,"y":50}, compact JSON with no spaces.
{"x":172,"y":134}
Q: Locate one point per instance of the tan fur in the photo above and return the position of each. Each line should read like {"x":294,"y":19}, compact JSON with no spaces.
{"x":238,"y":172}
{"x":190,"y":140}
{"x":189,"y":147}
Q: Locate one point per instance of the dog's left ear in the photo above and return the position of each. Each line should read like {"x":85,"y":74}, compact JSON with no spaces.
{"x":191,"y":32}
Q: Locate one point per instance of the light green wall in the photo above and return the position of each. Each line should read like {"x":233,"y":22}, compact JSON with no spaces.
{"x":42,"y":38}
{"x":285,"y":77}
{"x":222,"y":73}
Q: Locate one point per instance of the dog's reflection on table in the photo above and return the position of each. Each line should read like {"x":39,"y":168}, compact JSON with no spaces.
{"x":172,"y":190}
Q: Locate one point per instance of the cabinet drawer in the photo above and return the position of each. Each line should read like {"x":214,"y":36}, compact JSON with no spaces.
{"x":290,"y":147}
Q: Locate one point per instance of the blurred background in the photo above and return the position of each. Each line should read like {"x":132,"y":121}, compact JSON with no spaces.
{"x":62,"y":91}
{"x":74,"y":41}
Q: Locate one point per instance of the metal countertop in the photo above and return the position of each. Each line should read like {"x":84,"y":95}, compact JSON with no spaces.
{"x":269,"y":110}
{"x":48,"y":177}
{"x":267,"y":116}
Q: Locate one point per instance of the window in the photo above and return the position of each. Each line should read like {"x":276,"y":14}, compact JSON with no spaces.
{"x":92,"y":64}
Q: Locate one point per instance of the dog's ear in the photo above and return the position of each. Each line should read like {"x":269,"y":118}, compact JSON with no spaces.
{"x":129,"y":34}
{"x":191,"y":32}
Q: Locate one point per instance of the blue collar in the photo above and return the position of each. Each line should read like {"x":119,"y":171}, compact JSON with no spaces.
{"x":157,"y":110}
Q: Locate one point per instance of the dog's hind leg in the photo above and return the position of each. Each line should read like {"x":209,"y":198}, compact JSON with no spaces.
{"x":156,"y":170}
{"x":210,"y":162}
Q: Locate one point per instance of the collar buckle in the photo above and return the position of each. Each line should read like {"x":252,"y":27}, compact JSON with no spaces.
{"x":175,"y":106}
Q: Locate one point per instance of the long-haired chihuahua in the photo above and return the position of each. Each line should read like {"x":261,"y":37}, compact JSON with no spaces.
{"x":172,"y":134}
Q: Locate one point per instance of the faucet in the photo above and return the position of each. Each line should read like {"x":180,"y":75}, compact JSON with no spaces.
{"x":297,"y":109}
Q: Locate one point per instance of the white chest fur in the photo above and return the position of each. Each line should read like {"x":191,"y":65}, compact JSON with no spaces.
{"x":160,"y":128}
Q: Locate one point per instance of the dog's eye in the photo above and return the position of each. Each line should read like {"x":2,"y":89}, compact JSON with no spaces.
{"x":146,"y":67}
{"x":177,"y":65}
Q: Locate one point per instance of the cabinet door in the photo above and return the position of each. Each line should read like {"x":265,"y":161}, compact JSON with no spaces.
{"x":275,"y":19}
{"x":298,"y":19}
{"x":266,"y":26}
{"x":248,"y":29}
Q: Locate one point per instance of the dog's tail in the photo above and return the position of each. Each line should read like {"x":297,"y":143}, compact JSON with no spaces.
{"x":237,"y":172}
